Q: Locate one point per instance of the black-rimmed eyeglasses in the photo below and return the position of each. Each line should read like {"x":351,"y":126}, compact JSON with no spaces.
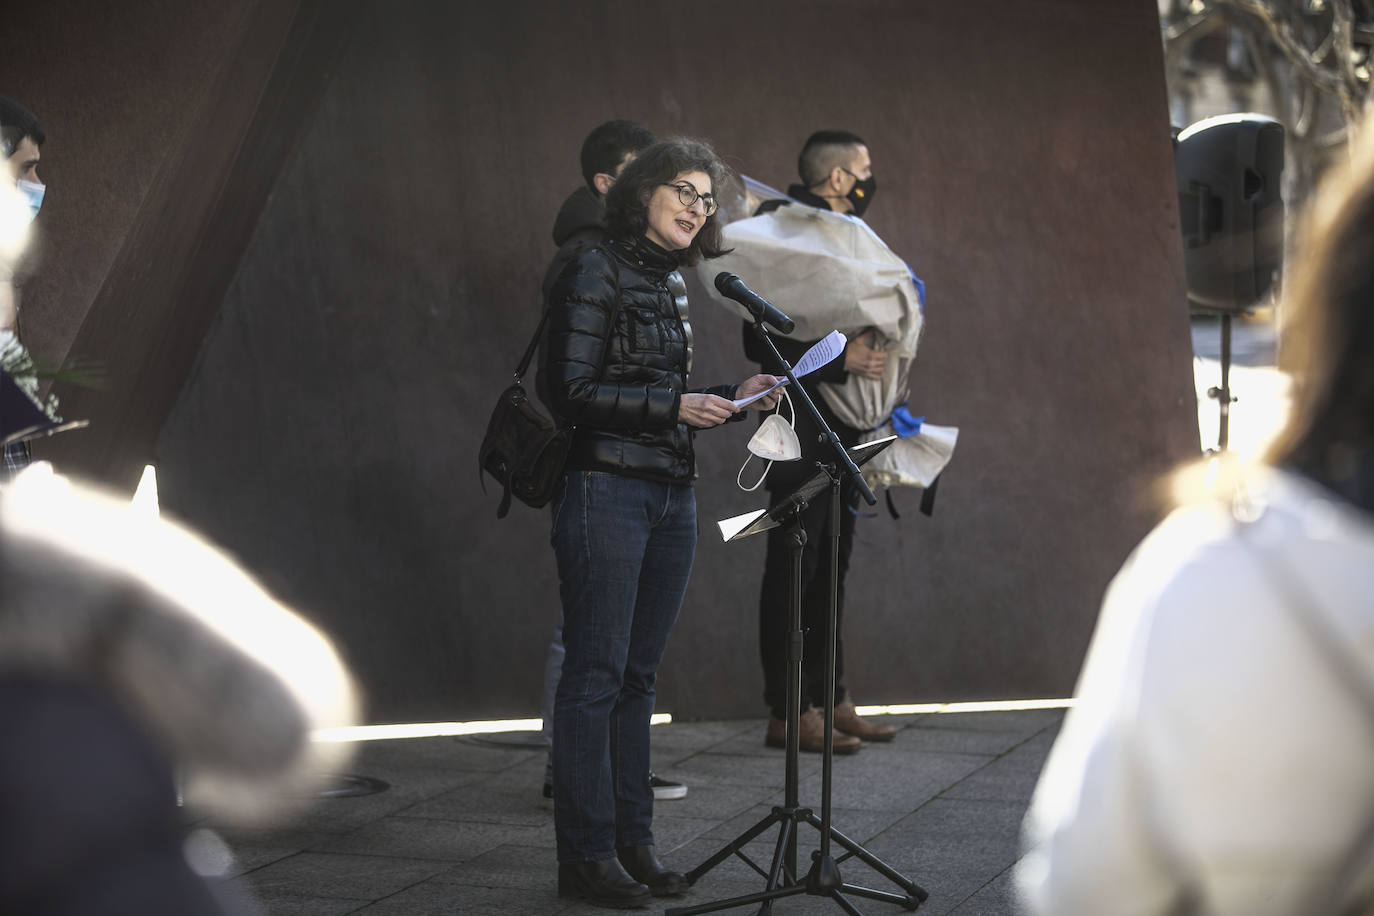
{"x":690,"y":195}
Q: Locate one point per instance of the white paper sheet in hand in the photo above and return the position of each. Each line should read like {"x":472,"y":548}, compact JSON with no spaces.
{"x":825,"y":349}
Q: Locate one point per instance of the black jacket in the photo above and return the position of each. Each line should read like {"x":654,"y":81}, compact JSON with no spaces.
{"x":619,"y":386}
{"x":578,"y":227}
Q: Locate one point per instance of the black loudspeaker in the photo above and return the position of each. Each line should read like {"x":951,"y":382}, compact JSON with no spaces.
{"x":1230,"y":209}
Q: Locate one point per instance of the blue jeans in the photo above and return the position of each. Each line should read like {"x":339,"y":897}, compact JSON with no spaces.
{"x":624,"y":548}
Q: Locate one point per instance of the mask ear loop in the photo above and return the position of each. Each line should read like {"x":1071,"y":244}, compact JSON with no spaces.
{"x":739,"y":482}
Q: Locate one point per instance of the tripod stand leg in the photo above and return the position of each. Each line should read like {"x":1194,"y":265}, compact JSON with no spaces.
{"x":787,"y":842}
{"x":909,"y":903}
{"x":845,"y":904}
{"x":787,"y":836}
{"x":763,"y":897}
{"x":872,"y":861}
{"x":737,"y":844}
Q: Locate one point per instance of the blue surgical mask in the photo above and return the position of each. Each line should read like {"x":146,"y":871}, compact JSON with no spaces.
{"x":33,"y":193}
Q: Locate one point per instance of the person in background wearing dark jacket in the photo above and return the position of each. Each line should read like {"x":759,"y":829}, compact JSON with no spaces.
{"x":581,"y":226}
{"x":837,"y":174}
{"x":624,"y":524}
{"x":581,"y":221}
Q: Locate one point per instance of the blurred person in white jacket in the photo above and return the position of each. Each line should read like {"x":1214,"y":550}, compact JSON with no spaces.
{"x":1220,"y":758}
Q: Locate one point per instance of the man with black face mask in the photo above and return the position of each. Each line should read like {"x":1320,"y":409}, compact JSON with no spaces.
{"x":836,"y":174}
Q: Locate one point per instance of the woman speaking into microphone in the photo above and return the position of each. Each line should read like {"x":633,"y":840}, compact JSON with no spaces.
{"x":624,"y":523}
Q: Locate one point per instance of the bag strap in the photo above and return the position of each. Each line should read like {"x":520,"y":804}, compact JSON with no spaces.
{"x":533,"y":345}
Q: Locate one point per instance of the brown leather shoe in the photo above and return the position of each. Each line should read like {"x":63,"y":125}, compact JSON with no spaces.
{"x":811,"y":735}
{"x":851,"y":723}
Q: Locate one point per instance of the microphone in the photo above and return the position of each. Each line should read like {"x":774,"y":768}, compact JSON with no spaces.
{"x":732,"y":287}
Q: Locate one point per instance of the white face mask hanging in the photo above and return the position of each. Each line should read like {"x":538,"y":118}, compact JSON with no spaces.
{"x":775,"y":440}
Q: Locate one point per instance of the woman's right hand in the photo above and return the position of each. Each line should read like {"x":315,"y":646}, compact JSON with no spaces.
{"x":704,"y":410}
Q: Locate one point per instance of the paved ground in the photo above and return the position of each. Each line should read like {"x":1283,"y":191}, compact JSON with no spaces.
{"x":463,"y":827}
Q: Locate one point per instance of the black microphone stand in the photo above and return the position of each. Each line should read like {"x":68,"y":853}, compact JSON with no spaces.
{"x":823,"y":879}
{"x":1222,"y":394}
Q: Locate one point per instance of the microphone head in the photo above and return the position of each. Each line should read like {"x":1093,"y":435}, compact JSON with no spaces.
{"x":724,"y":280}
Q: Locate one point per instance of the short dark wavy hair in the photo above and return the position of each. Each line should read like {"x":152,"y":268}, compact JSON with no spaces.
{"x":824,"y":150}
{"x":16,"y":123}
{"x":606,"y":146}
{"x":627,"y":203}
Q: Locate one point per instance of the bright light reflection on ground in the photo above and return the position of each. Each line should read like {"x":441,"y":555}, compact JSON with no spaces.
{"x":978,"y":706}
{"x":443,"y":729}
{"x":492,"y":726}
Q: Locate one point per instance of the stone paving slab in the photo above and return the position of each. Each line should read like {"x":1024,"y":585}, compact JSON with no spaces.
{"x":712,"y":768}
{"x":434,"y":898}
{"x":344,"y":815}
{"x":672,"y":832}
{"x":1010,"y":777}
{"x":717,"y":801}
{"x":997,"y":896}
{"x":485,"y":803}
{"x":520,"y":867}
{"x":278,"y":904}
{"x":685,"y":738}
{"x":943,"y":739}
{"x":953,"y":848}
{"x":331,"y":875}
{"x":886,"y":777}
{"x":748,"y":743}
{"x":441,"y":840}
{"x":858,"y":825}
{"x":252,"y":851}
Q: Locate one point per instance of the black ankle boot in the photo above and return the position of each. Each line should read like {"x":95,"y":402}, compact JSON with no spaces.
{"x":645,"y":868}
{"x":603,"y":883}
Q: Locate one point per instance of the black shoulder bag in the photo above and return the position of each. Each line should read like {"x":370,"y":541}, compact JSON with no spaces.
{"x":523,"y":449}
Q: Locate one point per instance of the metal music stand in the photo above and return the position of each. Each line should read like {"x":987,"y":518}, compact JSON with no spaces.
{"x":823,"y":878}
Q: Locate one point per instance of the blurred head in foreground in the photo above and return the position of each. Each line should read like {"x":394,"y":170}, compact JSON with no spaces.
{"x":131,"y":651}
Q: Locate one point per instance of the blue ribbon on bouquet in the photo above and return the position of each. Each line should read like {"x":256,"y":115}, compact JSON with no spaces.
{"x":903,"y":423}
{"x":920,"y":290}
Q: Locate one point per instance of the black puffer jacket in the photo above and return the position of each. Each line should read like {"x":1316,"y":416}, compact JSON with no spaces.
{"x":579,"y":227}
{"x":624,"y":407}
